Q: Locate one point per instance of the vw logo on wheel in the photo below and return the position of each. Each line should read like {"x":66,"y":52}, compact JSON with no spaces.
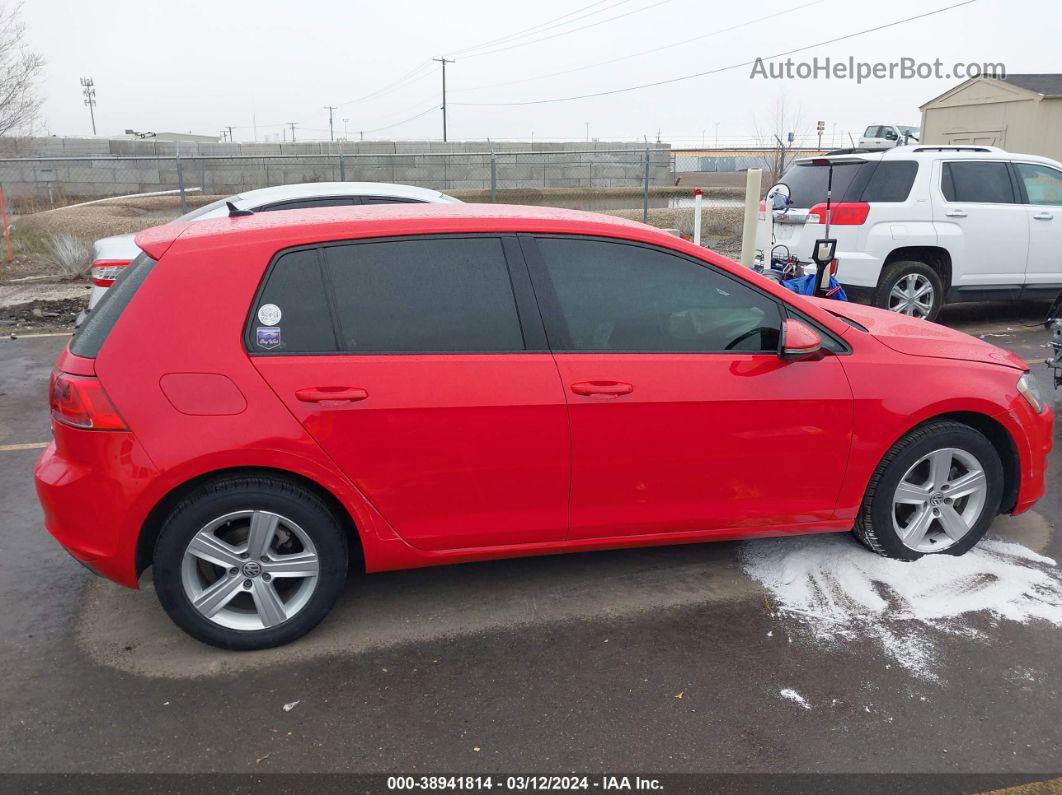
{"x":252,"y":568}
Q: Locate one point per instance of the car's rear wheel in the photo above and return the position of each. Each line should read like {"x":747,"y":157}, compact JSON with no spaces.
{"x":936,"y":491}
{"x":910,"y":288}
{"x":250,"y":562}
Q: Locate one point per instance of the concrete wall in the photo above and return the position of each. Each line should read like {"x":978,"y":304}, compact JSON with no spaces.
{"x":50,"y":168}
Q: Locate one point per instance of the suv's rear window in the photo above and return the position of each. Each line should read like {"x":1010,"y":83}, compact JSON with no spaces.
{"x":91,"y":335}
{"x":871,"y":181}
{"x":807,"y":184}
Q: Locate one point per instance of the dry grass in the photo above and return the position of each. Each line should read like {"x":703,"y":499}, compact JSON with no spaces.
{"x":71,"y":254}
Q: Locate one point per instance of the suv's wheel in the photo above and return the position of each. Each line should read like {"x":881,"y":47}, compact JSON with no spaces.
{"x":911,"y":288}
{"x":936,"y":491}
{"x":250,"y":562}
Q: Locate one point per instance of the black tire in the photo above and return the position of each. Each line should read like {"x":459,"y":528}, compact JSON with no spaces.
{"x":875,"y":525}
{"x":896,"y":272}
{"x":228,"y":496}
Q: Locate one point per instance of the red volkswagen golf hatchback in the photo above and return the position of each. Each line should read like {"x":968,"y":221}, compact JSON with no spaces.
{"x":262,"y":401}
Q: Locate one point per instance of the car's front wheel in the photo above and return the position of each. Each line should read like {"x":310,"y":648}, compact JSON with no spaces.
{"x":936,"y":491}
{"x":250,"y":562}
{"x":910,"y":288}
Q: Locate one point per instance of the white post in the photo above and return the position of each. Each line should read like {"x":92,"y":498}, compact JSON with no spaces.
{"x":698,"y":194}
{"x":752,"y":211}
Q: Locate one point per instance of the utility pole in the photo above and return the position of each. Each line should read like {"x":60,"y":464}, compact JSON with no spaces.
{"x":346,"y":135}
{"x":88,"y":88}
{"x":443,"y":61}
{"x":229,"y":128}
{"x":331,"y":131}
{"x":587,"y":131}
{"x":292,"y":124}
{"x":717,"y":135}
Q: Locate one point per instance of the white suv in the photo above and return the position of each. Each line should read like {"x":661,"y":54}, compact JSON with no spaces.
{"x":921,"y":226}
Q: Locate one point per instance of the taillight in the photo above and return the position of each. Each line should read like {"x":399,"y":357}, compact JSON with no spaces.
{"x":80,"y":402}
{"x":105,"y":271}
{"x":841,"y":213}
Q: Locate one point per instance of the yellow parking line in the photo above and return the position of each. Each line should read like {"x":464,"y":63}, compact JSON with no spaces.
{"x":5,"y":448}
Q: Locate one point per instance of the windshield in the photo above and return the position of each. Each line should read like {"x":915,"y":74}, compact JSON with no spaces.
{"x":908,"y":130}
{"x":199,"y":212}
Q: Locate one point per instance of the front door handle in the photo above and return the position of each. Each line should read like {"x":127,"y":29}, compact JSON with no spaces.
{"x":1044,"y":216}
{"x":956,"y":213}
{"x":610,"y":388}
{"x":331,"y":394}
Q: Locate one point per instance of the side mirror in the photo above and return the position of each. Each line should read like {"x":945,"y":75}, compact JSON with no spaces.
{"x":799,"y":340}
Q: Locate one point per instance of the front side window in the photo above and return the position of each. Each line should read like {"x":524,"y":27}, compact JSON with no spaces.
{"x":1043,"y":184}
{"x":612,"y":296}
{"x":977,"y":182}
{"x":427,"y":295}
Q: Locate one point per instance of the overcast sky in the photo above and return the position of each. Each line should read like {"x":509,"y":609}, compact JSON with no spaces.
{"x":197,"y":66}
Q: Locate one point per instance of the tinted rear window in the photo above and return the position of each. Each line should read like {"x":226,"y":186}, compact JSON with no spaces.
{"x":427,"y":295}
{"x":981,"y":183}
{"x":807,"y":184}
{"x":89,"y":338}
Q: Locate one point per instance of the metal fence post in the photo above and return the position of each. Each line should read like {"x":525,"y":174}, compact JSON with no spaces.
{"x":180,"y":182}
{"x":645,"y":190}
{"x":342,"y":171}
{"x":493,"y":174}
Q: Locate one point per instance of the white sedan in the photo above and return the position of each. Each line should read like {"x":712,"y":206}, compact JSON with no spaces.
{"x":111,"y":254}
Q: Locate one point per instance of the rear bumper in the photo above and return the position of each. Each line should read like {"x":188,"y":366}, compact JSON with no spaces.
{"x":89,"y":483}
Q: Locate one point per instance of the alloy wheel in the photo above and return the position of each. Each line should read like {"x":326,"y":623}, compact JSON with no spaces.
{"x":250,"y":570}
{"x":912,"y":295}
{"x":939,"y":500}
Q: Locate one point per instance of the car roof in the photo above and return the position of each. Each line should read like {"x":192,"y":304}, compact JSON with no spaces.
{"x":296,"y":227}
{"x":931,"y":152}
{"x":301,"y":190}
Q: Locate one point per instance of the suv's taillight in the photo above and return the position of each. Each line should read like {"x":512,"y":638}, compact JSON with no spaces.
{"x":105,"y":271}
{"x":79,"y":401}
{"x":841,"y":213}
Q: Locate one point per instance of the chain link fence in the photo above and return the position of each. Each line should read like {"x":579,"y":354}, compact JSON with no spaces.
{"x":55,"y":181}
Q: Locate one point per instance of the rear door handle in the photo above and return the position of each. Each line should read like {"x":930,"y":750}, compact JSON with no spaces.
{"x":956,"y":213}
{"x":331,"y":394}
{"x":613,"y":388}
{"x":1044,"y":216}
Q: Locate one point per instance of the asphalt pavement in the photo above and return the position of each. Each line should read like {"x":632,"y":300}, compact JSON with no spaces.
{"x":657,"y":660}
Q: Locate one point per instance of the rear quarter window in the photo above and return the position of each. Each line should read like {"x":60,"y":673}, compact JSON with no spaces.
{"x":90,"y":336}
{"x":891,"y":181}
{"x":291,"y":313}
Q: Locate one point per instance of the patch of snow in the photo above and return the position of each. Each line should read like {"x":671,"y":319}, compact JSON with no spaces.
{"x":837,"y":591}
{"x":792,"y":695}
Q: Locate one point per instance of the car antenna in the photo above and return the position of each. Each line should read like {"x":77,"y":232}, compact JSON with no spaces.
{"x":236,"y":212}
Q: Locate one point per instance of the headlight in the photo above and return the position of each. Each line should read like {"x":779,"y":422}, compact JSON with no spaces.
{"x":1031,"y":391}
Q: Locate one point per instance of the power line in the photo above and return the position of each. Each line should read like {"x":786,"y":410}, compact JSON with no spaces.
{"x":534,"y":29}
{"x":644,"y":52}
{"x":567,"y":32}
{"x":432,"y":109}
{"x":407,"y":78}
{"x":718,"y":69}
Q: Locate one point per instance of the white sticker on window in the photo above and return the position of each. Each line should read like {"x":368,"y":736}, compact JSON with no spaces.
{"x":269,"y":314}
